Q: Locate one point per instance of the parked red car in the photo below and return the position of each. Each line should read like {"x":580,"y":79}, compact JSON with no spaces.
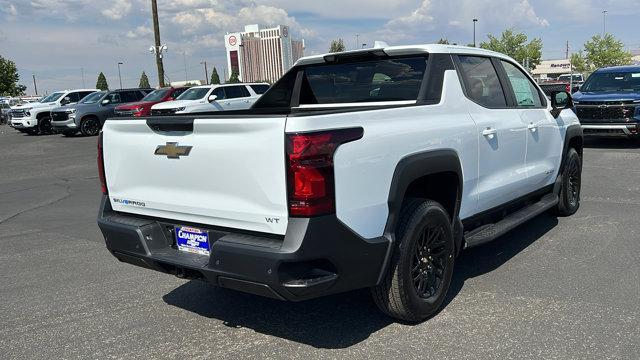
{"x":143,"y":107}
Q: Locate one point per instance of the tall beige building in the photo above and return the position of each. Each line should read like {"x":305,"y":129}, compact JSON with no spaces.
{"x":262,"y":54}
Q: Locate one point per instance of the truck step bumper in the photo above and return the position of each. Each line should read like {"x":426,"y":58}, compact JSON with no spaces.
{"x":316,"y":257}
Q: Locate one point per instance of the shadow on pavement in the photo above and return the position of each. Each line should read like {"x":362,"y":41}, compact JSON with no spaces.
{"x":342,"y":320}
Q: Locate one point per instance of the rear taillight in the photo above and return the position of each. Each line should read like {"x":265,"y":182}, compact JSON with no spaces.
{"x":567,"y":88}
{"x":310,"y":177}
{"x":103,"y":180}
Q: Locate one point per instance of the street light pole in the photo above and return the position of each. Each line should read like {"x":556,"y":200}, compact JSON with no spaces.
{"x":120,"y":76}
{"x":206,"y":73}
{"x":357,"y":40}
{"x":35,"y":87}
{"x":83,"y":83}
{"x":604,"y":23}
{"x":474,"y":32}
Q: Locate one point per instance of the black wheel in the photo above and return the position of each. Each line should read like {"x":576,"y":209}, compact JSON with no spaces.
{"x":44,"y":126}
{"x":421,"y":267}
{"x":90,"y":126}
{"x":569,"y":197}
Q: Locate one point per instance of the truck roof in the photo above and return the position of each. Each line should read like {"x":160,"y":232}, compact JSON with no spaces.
{"x":409,"y":50}
{"x":623,"y":68}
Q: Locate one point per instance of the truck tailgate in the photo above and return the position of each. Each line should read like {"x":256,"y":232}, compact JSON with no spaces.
{"x":233,"y":176}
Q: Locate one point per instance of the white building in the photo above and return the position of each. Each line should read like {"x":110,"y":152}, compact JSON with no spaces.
{"x":262,"y":54}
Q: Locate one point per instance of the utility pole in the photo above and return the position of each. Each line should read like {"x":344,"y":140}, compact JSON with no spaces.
{"x":35,"y":87}
{"x":206,"y":73}
{"x":604,"y":23}
{"x":474,"y":32}
{"x":566,"y":55}
{"x":120,"y":76}
{"x":83,"y":84}
{"x":156,"y":33}
{"x":184,"y":59}
{"x":357,"y":41}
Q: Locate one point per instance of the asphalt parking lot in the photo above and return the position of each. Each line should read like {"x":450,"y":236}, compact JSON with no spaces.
{"x":566,"y":288}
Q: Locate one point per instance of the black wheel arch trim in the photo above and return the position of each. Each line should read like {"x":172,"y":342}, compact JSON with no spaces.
{"x":411,"y":168}
{"x":573,"y":131}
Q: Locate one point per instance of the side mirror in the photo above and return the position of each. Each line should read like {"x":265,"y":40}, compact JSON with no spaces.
{"x":105,"y":102}
{"x":560,"y":100}
{"x":212,"y":98}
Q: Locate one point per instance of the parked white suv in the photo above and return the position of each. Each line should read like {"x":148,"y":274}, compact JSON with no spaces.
{"x":372,"y":168}
{"x":212,"y":98}
{"x":35,"y":118}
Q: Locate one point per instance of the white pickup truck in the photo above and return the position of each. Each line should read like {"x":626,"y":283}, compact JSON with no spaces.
{"x":372,"y":168}
{"x":35,"y":118}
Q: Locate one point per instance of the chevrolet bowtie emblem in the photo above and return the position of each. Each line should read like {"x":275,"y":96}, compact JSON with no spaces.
{"x":172,"y":150}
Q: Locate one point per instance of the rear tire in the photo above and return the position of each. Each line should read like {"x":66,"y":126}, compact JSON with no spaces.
{"x":90,"y":126}
{"x":569,"y":197}
{"x":421,"y":267}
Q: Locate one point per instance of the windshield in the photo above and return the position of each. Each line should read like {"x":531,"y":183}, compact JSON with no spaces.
{"x":568,"y":78}
{"x":194,"y":94}
{"x":613,"y":81}
{"x":93,"y":97}
{"x":52,"y":97}
{"x":156,"y":95}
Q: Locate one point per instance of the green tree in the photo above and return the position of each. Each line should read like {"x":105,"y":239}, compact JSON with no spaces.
{"x":579,"y":63}
{"x":337,"y":46}
{"x":515,"y":45}
{"x":9,"y":78}
{"x":215,"y":78}
{"x":233,"y":79}
{"x":144,"y":81}
{"x":102,"y":82}
{"x":606,"y":51}
{"x":443,"y":41}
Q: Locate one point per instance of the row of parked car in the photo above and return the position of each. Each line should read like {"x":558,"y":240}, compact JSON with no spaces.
{"x":85,"y":110}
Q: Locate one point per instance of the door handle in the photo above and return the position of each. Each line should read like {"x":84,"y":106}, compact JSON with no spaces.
{"x":246,"y":101}
{"x":532,"y":127}
{"x":489,"y":133}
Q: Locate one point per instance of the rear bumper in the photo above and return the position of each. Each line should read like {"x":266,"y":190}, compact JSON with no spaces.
{"x":611,"y":130}
{"x":316,"y":257}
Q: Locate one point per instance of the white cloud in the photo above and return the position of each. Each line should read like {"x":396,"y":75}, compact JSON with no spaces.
{"x":140,"y":31}
{"x":117,"y":10}
{"x":437,"y":16}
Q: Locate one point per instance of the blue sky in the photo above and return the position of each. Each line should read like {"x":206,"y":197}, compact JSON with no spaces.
{"x":55,"y":39}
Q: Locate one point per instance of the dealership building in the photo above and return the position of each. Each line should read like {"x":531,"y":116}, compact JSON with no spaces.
{"x":262,"y":54}
{"x":551,"y":69}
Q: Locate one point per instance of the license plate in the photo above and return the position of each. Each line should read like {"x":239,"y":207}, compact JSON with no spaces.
{"x":192,"y":240}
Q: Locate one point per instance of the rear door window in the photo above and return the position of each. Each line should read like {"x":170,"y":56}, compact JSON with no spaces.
{"x":260,"y":89}
{"x":237,"y":91}
{"x":219,"y":93}
{"x":361,"y":82}
{"x":481,"y":81}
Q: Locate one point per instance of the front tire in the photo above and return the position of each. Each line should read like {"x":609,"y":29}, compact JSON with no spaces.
{"x":90,"y":126}
{"x":421,"y":267}
{"x":44,"y":126}
{"x":569,"y":197}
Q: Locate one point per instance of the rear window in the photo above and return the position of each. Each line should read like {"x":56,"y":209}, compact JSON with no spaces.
{"x":361,"y":82}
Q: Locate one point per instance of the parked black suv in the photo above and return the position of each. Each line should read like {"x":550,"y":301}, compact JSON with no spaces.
{"x":88,"y":115}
